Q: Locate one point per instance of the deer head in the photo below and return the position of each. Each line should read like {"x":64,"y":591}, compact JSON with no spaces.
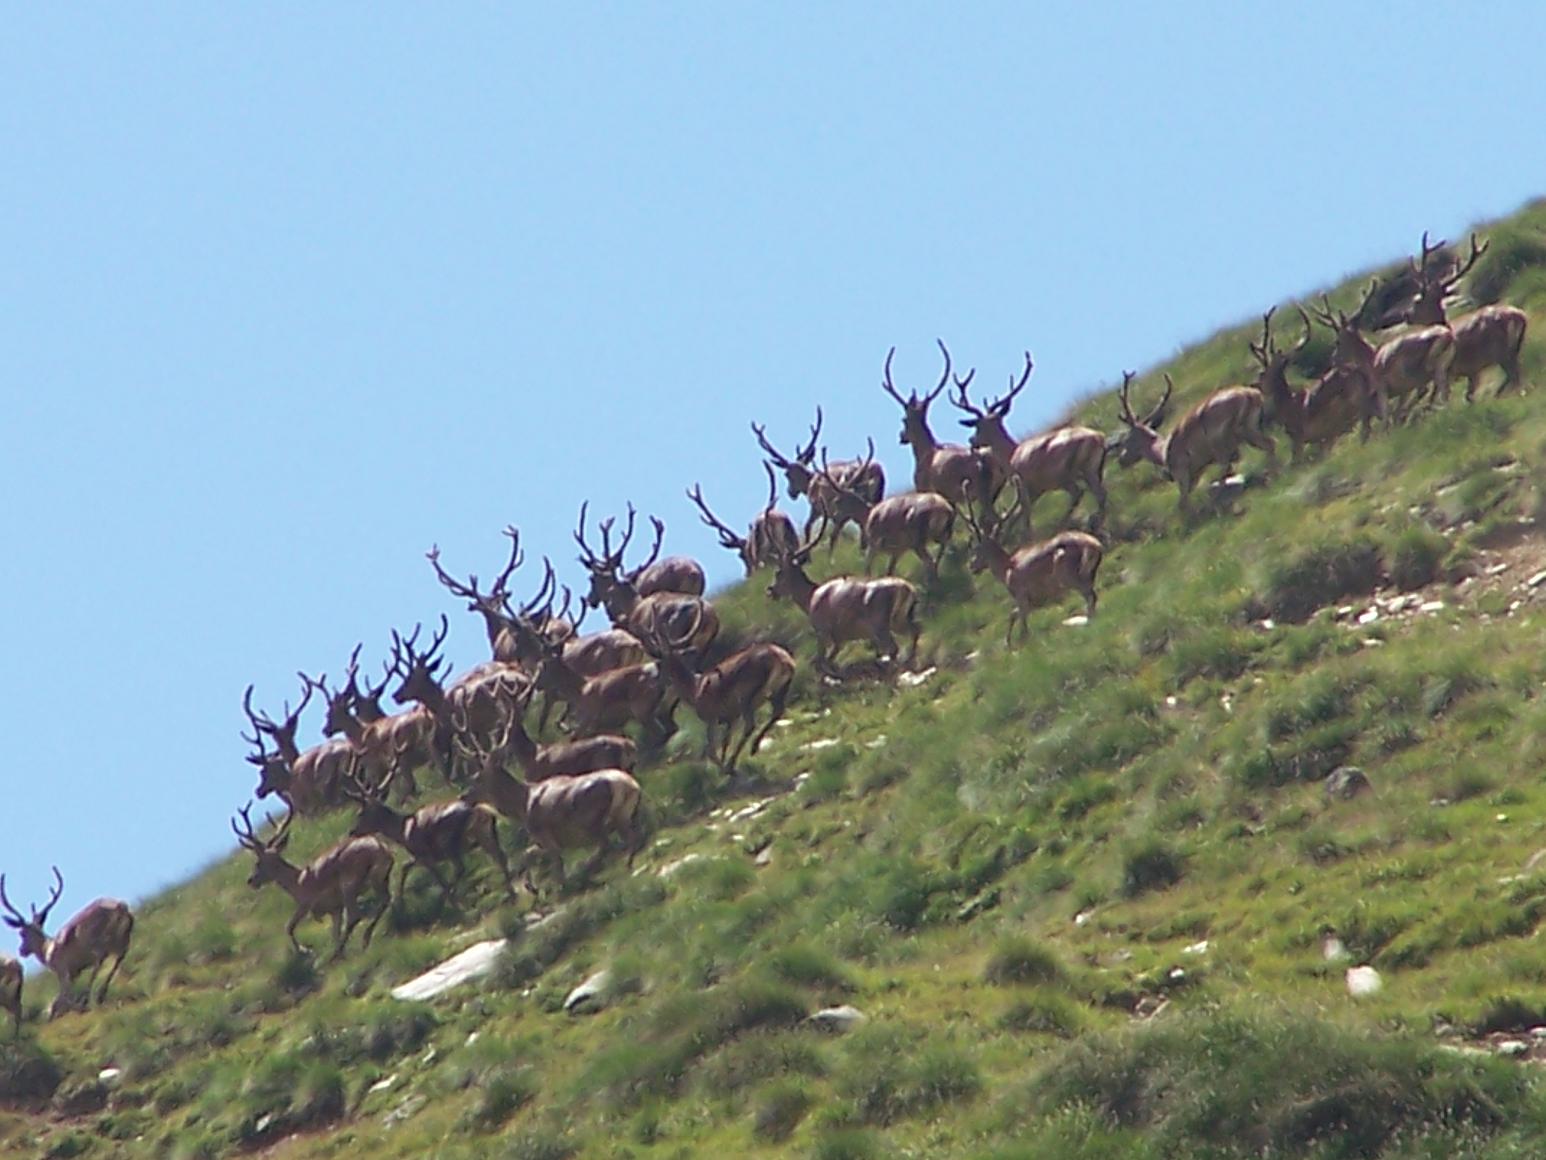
{"x":33,"y":938}
{"x":915,"y":408}
{"x":1142,"y":434}
{"x":798,"y":470}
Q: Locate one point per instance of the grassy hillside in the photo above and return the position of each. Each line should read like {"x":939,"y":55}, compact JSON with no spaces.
{"x":1078,"y":890}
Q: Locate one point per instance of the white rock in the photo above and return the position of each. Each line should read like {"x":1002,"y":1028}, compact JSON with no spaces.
{"x":913,"y":680}
{"x":1512,"y":1047}
{"x":1368,"y":616}
{"x":1083,"y":917}
{"x":838,"y":1019}
{"x":671,"y":868}
{"x":1077,"y":621}
{"x":1363,"y":981}
{"x":109,"y":1076}
{"x":820,"y":743}
{"x":1197,"y":948}
{"x":1334,"y":950}
{"x":1431,"y":606}
{"x":1536,"y":581}
{"x":381,"y":1085}
{"x":875,"y":742}
{"x":1495,"y":569}
{"x":473,"y":963}
{"x":1171,"y":702}
{"x":589,"y":995}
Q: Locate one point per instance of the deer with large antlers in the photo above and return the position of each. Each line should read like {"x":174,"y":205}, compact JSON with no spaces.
{"x":335,"y":883}
{"x":1069,"y":459}
{"x":540,"y":762}
{"x":563,"y":812}
{"x":11,"y":979}
{"x":98,"y":932}
{"x":771,"y":532}
{"x":1211,"y":432}
{"x":432,"y":835}
{"x":494,"y":605}
{"x":1320,"y":414}
{"x":1402,"y":371}
{"x":730,"y":692}
{"x":912,"y":522}
{"x":618,"y":589}
{"x":1038,"y":574}
{"x":1491,"y":336}
{"x":961,"y":474}
{"x":864,"y":478}
{"x":305,"y":780}
{"x":847,"y":608}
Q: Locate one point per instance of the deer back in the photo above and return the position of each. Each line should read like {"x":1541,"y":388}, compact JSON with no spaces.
{"x":317,"y":774}
{"x":98,"y":931}
{"x":1048,"y":461}
{"x":772,"y":534}
{"x":682,"y":622}
{"x":905,"y":521}
{"x":1213,"y":429}
{"x":1409,"y":361}
{"x":10,"y":983}
{"x":1043,"y":572}
{"x":1488,"y":337}
{"x":440,"y":832}
{"x":585,"y":755}
{"x":847,"y":608}
{"x":680,"y":574}
{"x":335,"y":877}
{"x":599,"y":652}
{"x":578,"y":811}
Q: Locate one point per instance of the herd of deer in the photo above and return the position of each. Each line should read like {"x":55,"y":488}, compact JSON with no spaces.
{"x":580,"y":792}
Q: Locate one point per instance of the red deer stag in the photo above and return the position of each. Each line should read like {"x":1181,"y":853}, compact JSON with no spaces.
{"x":431,"y":835}
{"x":641,"y":609}
{"x":848,"y":608}
{"x":566,"y":812}
{"x":1211,"y":432}
{"x":1318,"y":415}
{"x":732,"y":690}
{"x":1070,"y":459}
{"x":611,"y":585}
{"x":100,"y":931}
{"x":608,"y":701}
{"x":771,"y":532}
{"x":493,"y":605}
{"x":962,"y":474}
{"x":866,"y":478}
{"x":540,"y":762}
{"x":334,"y":883}
{"x":1491,"y":336}
{"x":10,"y":992}
{"x":1400,"y":371}
{"x":305,"y":780}
{"x":1039,"y":574}
{"x":911,"y":522}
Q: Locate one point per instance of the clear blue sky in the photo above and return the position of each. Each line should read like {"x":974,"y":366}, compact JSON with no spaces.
{"x":288,"y":294}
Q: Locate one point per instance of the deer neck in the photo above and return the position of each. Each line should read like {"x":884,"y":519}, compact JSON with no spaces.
{"x":1000,"y":561}
{"x":285,"y":876}
{"x":801,"y":587}
{"x":433,"y":698}
{"x":996,"y":441}
{"x":521,"y":744}
{"x":499,"y":786}
{"x":620,"y":601}
{"x":391,"y":824}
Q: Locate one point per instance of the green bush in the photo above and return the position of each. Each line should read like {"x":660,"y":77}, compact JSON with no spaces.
{"x":1020,"y":959}
{"x":1151,"y":865}
{"x":779,"y":1111}
{"x":1414,"y":557}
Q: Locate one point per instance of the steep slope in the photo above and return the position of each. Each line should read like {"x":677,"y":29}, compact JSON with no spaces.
{"x":1079,"y":890}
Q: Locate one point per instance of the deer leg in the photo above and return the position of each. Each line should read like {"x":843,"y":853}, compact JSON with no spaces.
{"x":495,"y":851}
{"x":295,"y":921}
{"x":1089,"y":600}
{"x":117,"y":962}
{"x":339,"y":934}
{"x":370,"y":927}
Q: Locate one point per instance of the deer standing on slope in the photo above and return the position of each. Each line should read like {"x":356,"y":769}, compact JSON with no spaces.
{"x":645,"y":602}
{"x":864,"y":478}
{"x":305,"y":780}
{"x":334,"y":883}
{"x":1402,"y":371}
{"x":1320,"y":414}
{"x":1211,"y":432}
{"x":911,"y":522}
{"x":847,"y":608}
{"x":99,"y":931}
{"x":494,"y":605}
{"x":961,"y":474}
{"x":1038,"y":574}
{"x":1491,"y":336}
{"x":1070,"y":459}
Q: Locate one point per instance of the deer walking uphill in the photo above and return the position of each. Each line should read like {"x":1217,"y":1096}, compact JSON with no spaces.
{"x":1320,"y":414}
{"x":961,"y":474}
{"x":98,"y":932}
{"x":1070,"y":459}
{"x":830,"y":492}
{"x":912,"y":522}
{"x":564,"y":812}
{"x":1402,"y":372}
{"x":306,"y":781}
{"x":1039,"y":574}
{"x":848,"y":608}
{"x":494,"y":605}
{"x":1211,"y":432}
{"x":334,"y":884}
{"x":1492,"y":336}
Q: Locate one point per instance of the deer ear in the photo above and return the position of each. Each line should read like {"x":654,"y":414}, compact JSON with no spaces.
{"x":11,"y":922}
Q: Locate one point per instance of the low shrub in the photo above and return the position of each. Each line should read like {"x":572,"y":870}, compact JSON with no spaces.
{"x":1021,"y":959}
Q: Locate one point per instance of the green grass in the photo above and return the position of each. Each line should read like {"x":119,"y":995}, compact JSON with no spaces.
{"x":1009,"y":869}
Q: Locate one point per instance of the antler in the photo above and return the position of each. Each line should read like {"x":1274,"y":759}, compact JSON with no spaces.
{"x":1449,"y":283}
{"x":246,"y":834}
{"x":772,"y":487}
{"x":762,"y":438}
{"x":515,"y":561}
{"x":885,"y":383}
{"x":454,"y":586}
{"x":544,"y":590}
{"x":727,"y":537}
{"x":660,"y":536}
{"x":406,"y":655}
{"x":807,"y":454}
{"x":16,"y":918}
{"x":1000,"y":407}
{"x":1124,"y":403}
{"x":860,"y":469}
{"x":41,"y":916}
{"x":945,"y":376}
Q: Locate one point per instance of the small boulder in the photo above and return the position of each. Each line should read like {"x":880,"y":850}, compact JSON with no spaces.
{"x":1347,"y":782}
{"x":837,"y":1020}
{"x":590,"y":995}
{"x":1363,"y":981}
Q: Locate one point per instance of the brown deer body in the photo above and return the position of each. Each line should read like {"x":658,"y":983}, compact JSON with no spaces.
{"x":1491,"y":336}
{"x":1211,"y":432}
{"x":434,"y":835}
{"x":98,"y":932}
{"x":1069,"y":459}
{"x":848,"y":609}
{"x":771,"y":533}
{"x":913,"y":522}
{"x":1399,"y":371}
{"x":1039,"y":574}
{"x":680,"y":574}
{"x":833,"y":505}
{"x":333,"y":884}
{"x":608,"y":701}
{"x":732,"y":691}
{"x":962,"y":474}
{"x":11,"y":979}
{"x":566,"y":812}
{"x":1320,"y":414}
{"x":308,"y":780}
{"x":498,"y":621}
{"x":582,"y":755}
